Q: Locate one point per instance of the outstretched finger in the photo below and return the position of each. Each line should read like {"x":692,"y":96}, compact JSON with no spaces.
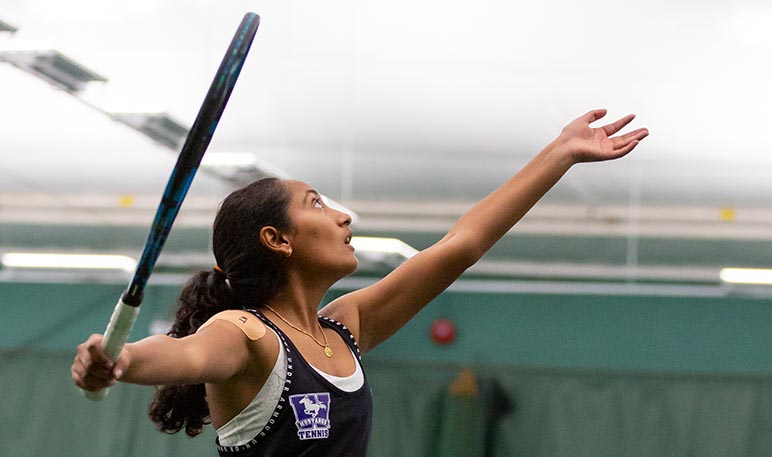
{"x":638,"y":135}
{"x":625,"y":143}
{"x":626,"y":149}
{"x":614,"y":127}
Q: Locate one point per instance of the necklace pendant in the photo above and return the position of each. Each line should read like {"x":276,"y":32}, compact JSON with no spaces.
{"x":328,"y":351}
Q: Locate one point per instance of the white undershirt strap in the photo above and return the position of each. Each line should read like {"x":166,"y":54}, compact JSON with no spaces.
{"x":248,"y":423}
{"x":350,"y":383}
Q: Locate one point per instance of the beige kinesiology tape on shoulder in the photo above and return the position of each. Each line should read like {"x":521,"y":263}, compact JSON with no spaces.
{"x":248,"y":323}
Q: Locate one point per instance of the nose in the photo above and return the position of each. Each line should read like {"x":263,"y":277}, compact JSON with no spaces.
{"x":343,"y":219}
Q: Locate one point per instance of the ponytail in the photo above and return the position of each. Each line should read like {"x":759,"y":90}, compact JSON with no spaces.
{"x":248,"y":276}
{"x":175,"y":407}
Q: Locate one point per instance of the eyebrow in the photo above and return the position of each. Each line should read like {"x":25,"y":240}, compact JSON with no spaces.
{"x":312,"y":192}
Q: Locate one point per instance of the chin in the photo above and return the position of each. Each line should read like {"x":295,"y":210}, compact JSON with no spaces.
{"x":345,"y":269}
{"x":354,"y":267}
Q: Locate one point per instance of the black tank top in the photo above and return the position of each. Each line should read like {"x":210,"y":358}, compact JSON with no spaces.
{"x":313,"y":417}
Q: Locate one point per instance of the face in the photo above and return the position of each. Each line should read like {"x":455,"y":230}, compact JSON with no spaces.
{"x":320,"y":236}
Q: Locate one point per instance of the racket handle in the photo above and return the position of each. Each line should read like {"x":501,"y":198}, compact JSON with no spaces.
{"x":116,"y":334}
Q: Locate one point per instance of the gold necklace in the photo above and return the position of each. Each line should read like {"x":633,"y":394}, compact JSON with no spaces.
{"x":326,"y":345}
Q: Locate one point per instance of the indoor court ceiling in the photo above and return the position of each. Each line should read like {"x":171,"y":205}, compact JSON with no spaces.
{"x":407,"y":112}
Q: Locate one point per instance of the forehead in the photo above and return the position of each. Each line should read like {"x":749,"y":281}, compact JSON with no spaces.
{"x":299,"y":190}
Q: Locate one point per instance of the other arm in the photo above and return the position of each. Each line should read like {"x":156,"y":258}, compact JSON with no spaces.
{"x":215,"y":354}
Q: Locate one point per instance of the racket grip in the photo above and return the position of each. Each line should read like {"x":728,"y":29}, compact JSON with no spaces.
{"x":116,"y":334}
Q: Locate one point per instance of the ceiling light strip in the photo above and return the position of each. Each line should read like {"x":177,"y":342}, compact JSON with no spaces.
{"x":29,"y":260}
{"x":383,"y":245}
{"x":746,"y":275}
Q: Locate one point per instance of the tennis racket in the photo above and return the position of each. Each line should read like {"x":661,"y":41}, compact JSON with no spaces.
{"x":127,"y":308}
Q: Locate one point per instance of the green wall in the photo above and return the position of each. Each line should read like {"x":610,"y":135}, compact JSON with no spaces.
{"x":671,"y":334}
{"x":585,"y":375}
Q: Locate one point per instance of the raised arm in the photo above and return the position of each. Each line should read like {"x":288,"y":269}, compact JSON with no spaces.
{"x":378,"y":311}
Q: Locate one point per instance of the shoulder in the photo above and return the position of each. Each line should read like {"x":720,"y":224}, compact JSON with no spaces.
{"x":245,"y":321}
{"x":345,"y":311}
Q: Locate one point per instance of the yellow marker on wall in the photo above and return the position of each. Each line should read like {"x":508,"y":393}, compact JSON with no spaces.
{"x":126,"y":201}
{"x":727,"y":214}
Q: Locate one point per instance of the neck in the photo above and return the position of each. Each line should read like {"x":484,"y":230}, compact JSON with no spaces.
{"x":299,"y":302}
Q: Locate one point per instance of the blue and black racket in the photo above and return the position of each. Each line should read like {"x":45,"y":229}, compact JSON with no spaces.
{"x":127,"y":309}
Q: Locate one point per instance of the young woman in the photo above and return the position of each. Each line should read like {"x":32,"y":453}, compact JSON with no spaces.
{"x":249,"y":349}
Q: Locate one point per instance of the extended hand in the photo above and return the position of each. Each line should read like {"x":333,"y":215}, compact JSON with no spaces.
{"x":586,"y":144}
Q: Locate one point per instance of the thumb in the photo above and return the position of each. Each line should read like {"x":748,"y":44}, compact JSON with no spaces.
{"x":121,"y":365}
{"x":594,"y":115}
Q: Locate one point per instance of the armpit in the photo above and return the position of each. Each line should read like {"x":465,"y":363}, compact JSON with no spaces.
{"x":247,"y":322}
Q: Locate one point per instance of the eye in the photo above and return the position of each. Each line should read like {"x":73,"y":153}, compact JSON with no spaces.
{"x":317,"y":203}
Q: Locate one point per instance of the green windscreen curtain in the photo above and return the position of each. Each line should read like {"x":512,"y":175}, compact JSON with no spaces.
{"x":560,"y":412}
{"x":470,"y":412}
{"x":426,"y":411}
{"x":42,"y":413}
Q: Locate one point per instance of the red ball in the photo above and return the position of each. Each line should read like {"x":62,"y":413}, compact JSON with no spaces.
{"x":443,"y":331}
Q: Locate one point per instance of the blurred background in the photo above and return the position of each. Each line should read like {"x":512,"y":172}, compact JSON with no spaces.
{"x":601,"y":325}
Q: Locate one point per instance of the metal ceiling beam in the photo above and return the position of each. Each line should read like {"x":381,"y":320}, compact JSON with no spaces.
{"x":6,"y":27}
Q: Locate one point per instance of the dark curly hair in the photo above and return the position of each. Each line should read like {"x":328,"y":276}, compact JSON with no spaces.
{"x":254,"y":275}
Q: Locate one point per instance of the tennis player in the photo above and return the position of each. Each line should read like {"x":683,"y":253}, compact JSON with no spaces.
{"x":250,"y":351}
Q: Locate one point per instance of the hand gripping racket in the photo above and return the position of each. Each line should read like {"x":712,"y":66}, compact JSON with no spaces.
{"x":127,"y":309}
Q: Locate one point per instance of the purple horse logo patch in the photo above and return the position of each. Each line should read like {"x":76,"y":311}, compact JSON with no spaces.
{"x":312,"y":415}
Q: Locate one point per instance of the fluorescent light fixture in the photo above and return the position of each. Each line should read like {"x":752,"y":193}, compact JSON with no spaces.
{"x":53,"y":67}
{"x":746,"y":275}
{"x":239,"y":168}
{"x":161,"y":127}
{"x":383,"y":246}
{"x":6,"y":27}
{"x":67,"y":261}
